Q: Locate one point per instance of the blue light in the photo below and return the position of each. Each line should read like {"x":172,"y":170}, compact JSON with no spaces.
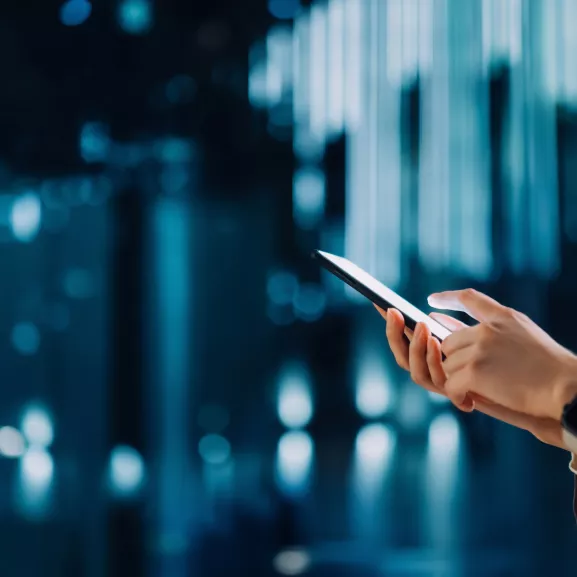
{"x":374,"y":390}
{"x":75,"y":12}
{"x":12,"y":442}
{"x":294,"y":461}
{"x":26,"y":338}
{"x":294,"y":404}
{"x":36,"y":475}
{"x":214,"y":449}
{"x":308,"y":196}
{"x":135,"y":16}
{"x":94,"y":142}
{"x":310,"y":302}
{"x":25,"y":217}
{"x":37,"y":427}
{"x":37,"y":468}
{"x":281,"y":287}
{"x":283,"y":9}
{"x":78,"y":284}
{"x":126,"y":469}
{"x":373,"y":451}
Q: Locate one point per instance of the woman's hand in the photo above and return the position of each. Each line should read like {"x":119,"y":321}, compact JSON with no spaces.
{"x":421,"y":355}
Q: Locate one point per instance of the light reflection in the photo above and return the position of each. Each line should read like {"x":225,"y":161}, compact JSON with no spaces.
{"x":12,"y":442}
{"x":126,"y":470}
{"x":294,"y":401}
{"x":374,"y":391}
{"x":374,"y":451}
{"x":135,"y":16}
{"x":309,"y":196}
{"x":309,"y":302}
{"x":318,"y":72}
{"x":25,"y":338}
{"x":35,"y":479}
{"x":37,"y":427}
{"x":292,"y":562}
{"x":294,"y":461}
{"x":214,"y":449}
{"x":443,"y":481}
{"x":26,"y":216}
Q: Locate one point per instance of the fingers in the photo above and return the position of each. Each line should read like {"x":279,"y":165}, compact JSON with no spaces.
{"x":457,"y":388}
{"x":435,"y":363}
{"x":460,"y":340}
{"x":418,"y":355}
{"x":475,"y":304}
{"x":458,"y":360}
{"x":448,"y":322}
{"x":395,"y":336}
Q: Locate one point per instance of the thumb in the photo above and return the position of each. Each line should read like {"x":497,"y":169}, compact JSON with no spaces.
{"x":477,"y":305}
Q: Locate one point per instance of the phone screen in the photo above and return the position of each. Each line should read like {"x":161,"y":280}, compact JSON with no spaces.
{"x":377,"y":292}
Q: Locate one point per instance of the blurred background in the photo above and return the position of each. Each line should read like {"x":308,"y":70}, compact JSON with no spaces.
{"x":184,"y":392}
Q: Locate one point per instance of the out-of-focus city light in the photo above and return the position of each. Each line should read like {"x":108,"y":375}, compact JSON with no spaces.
{"x":12,"y":442}
{"x":309,"y":197}
{"x":281,"y":287}
{"x":214,"y":449}
{"x":37,"y":427}
{"x":75,"y":12}
{"x":294,"y":461}
{"x":37,"y":469}
{"x":94,"y":142}
{"x":292,"y":562}
{"x":372,"y":467}
{"x":25,"y":338}
{"x":26,"y":216}
{"x":309,"y":302}
{"x":445,"y":465}
{"x":35,"y":482}
{"x":438,"y":399}
{"x":126,"y":470}
{"x":283,"y":9}
{"x":413,"y":407}
{"x":374,"y":444}
{"x":78,"y":283}
{"x":444,"y":437}
{"x":135,"y":16}
{"x":374,"y":391}
{"x":294,"y":400}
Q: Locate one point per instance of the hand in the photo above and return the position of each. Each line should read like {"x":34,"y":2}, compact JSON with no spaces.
{"x":506,"y":359}
{"x":422,"y":357}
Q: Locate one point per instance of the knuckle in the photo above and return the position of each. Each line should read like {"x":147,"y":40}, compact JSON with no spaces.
{"x":470,"y":293}
{"x":476,"y":364}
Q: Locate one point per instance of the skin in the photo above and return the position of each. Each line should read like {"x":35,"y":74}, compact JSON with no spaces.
{"x":506,"y":366}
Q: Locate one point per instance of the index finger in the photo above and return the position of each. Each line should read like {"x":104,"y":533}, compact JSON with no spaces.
{"x":477,"y":305}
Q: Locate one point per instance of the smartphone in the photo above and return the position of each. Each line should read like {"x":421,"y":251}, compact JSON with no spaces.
{"x":377,"y":292}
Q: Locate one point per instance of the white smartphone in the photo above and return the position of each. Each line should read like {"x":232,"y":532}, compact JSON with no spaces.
{"x":377,"y":292}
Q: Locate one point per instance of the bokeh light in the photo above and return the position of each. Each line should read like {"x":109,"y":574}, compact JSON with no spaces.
{"x":25,"y":338}
{"x":26,"y":216}
{"x":37,"y":426}
{"x":126,"y":470}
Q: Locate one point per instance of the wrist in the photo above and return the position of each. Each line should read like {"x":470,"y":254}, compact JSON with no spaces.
{"x":565,"y":387}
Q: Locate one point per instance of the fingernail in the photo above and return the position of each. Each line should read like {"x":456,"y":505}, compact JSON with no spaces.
{"x":433,"y":300}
